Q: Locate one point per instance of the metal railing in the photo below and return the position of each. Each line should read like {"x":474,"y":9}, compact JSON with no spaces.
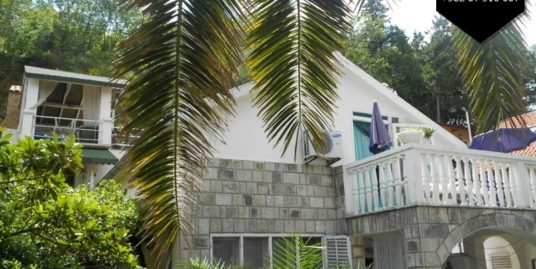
{"x":85,"y":131}
{"x":121,"y":139}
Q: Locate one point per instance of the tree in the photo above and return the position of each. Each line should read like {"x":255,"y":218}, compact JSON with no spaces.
{"x":75,"y":35}
{"x":491,"y":76}
{"x":182,"y":60}
{"x":47,"y":224}
{"x":529,"y":78}
{"x":442,"y":76}
{"x":383,"y":51}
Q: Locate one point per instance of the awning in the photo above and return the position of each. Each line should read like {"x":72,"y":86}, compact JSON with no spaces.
{"x":98,"y":156}
{"x":113,"y":172}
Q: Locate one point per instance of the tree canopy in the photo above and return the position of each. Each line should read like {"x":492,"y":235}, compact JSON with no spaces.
{"x":45,"y":223}
{"x":424,"y":70}
{"x":73,"y":35}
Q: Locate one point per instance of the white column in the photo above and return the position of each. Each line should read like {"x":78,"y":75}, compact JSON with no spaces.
{"x":413,"y":171}
{"x":349,"y":186}
{"x":521,"y":180}
{"x":30,"y":98}
{"x":106,"y":122}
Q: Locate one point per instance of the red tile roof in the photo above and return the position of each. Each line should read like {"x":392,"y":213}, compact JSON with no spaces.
{"x":530,"y":121}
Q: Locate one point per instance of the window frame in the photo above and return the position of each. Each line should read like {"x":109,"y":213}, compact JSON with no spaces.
{"x":270,"y":237}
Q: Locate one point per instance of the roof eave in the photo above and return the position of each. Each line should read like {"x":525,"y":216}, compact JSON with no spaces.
{"x":98,"y":81}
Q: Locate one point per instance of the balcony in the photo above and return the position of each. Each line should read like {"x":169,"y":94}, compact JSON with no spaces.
{"x":89,"y":132}
{"x":418,"y":174}
{"x":85,"y":131}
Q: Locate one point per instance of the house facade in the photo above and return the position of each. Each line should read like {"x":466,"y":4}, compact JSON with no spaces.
{"x":53,"y":102}
{"x":434,"y":204}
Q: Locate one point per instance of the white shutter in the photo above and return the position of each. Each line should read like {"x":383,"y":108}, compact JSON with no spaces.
{"x":501,"y":262}
{"x":337,"y":252}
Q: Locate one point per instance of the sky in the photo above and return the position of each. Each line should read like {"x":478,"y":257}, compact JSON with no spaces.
{"x":418,"y":15}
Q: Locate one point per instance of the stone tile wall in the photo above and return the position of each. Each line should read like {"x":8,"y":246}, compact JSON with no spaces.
{"x":431,"y":232}
{"x":263,"y":197}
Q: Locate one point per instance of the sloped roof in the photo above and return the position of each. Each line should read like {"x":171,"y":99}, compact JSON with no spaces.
{"x":64,"y":76}
{"x":516,"y":122}
{"x":389,"y":94}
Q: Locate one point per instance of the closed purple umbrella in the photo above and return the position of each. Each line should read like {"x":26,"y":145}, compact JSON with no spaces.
{"x":504,"y":139}
{"x":379,"y":135}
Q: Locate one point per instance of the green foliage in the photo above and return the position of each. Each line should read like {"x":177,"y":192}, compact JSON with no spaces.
{"x":444,"y":86}
{"x":295,"y":70}
{"x":491,"y":72}
{"x":203,"y":264}
{"x":184,"y":57}
{"x":423,"y":73}
{"x":74,"y":35}
{"x":46,"y":223}
{"x":297,"y":253}
{"x":428,"y":132}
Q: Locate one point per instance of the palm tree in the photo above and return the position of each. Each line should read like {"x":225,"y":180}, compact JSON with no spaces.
{"x":181,"y":63}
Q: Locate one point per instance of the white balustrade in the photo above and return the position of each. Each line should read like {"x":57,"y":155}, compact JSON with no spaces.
{"x":418,"y":174}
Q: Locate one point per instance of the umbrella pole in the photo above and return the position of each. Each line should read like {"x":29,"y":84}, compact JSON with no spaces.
{"x":468,"y":125}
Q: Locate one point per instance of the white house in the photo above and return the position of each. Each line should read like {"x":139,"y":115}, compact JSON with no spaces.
{"x":65,"y":103}
{"x":434,"y":204}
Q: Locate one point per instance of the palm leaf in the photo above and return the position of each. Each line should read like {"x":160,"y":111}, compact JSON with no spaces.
{"x":203,"y":264}
{"x":181,"y":62}
{"x":292,"y":63}
{"x":491,"y":73}
{"x":295,"y":252}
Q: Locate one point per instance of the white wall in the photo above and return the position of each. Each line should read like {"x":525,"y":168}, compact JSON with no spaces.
{"x":246,"y":139}
{"x":496,"y":245}
{"x":29,"y":109}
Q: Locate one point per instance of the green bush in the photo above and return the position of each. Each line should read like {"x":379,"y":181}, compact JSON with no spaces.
{"x":45,"y":223}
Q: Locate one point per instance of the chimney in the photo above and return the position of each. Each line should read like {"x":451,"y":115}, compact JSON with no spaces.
{"x":14,"y":101}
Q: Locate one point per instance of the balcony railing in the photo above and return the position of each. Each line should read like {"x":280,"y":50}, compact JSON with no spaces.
{"x":418,"y":174}
{"x":121,"y":139}
{"x":85,"y":131}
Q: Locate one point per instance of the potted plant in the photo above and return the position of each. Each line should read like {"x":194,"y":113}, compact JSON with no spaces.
{"x":427,"y":134}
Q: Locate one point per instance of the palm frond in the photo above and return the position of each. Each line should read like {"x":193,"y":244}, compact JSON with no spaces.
{"x":491,"y":73}
{"x":181,"y":62}
{"x":203,"y":264}
{"x":296,"y":252}
{"x":292,"y":63}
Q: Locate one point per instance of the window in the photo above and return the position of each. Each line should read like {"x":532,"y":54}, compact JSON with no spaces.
{"x":361,"y":128}
{"x":255,"y":250}
{"x":226,"y":249}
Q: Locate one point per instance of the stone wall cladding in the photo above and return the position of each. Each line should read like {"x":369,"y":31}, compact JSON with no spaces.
{"x":11,"y":119}
{"x":431,"y":232}
{"x":240,"y":196}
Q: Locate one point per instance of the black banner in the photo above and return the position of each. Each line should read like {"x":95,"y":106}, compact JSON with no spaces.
{"x":480,"y":18}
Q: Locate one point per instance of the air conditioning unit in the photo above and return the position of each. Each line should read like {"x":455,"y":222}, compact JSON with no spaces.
{"x":332,"y":149}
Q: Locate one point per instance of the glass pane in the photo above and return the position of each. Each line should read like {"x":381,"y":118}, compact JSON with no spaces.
{"x":281,"y":246}
{"x":362,"y":140}
{"x":225,"y":249}
{"x":312,"y":240}
{"x":255,"y":252}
